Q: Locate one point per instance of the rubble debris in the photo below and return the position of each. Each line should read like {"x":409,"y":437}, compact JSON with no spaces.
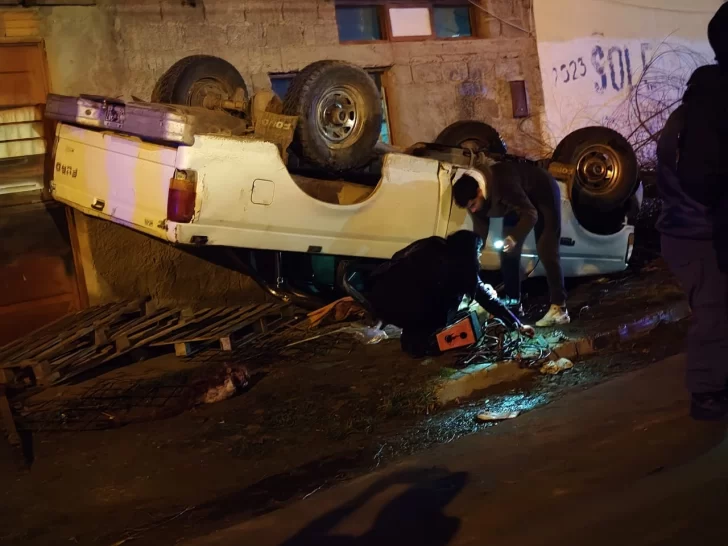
{"x":339,"y":311}
{"x":371,"y":335}
{"x":490,"y":416}
{"x":228,"y":384}
{"x":555,"y":367}
{"x":113,"y":403}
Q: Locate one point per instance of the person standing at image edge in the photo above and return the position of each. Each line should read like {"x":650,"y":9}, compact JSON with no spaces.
{"x":692,"y":180}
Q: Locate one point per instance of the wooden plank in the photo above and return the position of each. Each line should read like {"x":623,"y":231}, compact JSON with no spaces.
{"x":140,"y":338}
{"x":242,"y":322}
{"x":226,"y":313}
{"x":76,"y":358}
{"x":119,"y":329}
{"x":185,"y":349}
{"x":210,"y":331}
{"x":21,"y":131}
{"x":81,"y":290}
{"x":144,"y":322}
{"x":228,"y":342}
{"x":101,"y":335}
{"x":151,"y":340}
{"x":182,"y":323}
{"x":56,"y":347}
{"x":53,"y":331}
{"x":78,"y":353}
{"x":21,"y":148}
{"x":230,"y":329}
{"x":200,"y":321}
{"x":101,"y":358}
{"x":23,"y":341}
{"x":231,"y":325}
{"x":8,"y":420}
{"x":7,"y":376}
{"x":122,"y":344}
{"x":21,"y":115}
{"x":159,"y":326}
{"x":44,"y":374}
{"x":22,"y":353}
{"x":235,"y":321}
{"x":46,"y":346}
{"x":22,"y":66}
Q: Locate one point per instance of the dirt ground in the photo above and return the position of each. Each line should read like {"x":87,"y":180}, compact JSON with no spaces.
{"x":336,"y":410}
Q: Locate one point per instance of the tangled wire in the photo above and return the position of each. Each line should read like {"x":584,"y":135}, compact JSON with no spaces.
{"x":499,"y":342}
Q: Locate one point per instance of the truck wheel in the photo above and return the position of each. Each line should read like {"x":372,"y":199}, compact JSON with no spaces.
{"x":340,"y":114}
{"x":606,"y":166}
{"x":193,"y":79}
{"x":474,"y":135}
{"x":602,"y":222}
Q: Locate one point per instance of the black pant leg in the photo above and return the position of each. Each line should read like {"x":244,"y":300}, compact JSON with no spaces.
{"x":548,"y":243}
{"x":695,"y":264}
{"x":511,"y":262}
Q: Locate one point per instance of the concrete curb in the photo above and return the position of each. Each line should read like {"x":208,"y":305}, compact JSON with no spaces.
{"x":472,"y":379}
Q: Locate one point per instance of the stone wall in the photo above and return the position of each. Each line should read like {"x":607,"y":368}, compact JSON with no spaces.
{"x":122,"y":47}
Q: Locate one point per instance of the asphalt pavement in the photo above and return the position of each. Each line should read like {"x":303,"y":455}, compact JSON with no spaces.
{"x":618,"y":464}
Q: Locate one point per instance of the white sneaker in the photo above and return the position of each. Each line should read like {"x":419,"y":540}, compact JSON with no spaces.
{"x":556,"y":316}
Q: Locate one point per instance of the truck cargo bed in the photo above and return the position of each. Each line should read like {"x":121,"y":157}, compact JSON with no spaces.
{"x":151,"y":121}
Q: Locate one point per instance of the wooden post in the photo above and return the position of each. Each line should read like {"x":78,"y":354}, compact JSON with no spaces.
{"x":8,"y":421}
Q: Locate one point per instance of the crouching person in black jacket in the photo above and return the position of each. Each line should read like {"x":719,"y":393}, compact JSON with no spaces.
{"x":422,"y":286}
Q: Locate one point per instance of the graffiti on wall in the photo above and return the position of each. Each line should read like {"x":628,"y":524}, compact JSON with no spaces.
{"x":631,"y":87}
{"x":610,"y":68}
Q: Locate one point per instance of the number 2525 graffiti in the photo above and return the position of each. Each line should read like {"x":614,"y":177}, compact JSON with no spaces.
{"x":612,"y":68}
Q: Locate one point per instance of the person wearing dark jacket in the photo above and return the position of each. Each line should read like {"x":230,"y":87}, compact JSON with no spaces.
{"x":421,"y":288}
{"x":692,"y":180}
{"x":526,"y":197}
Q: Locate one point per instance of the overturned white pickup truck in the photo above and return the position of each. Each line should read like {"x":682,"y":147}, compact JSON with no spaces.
{"x":222,"y":180}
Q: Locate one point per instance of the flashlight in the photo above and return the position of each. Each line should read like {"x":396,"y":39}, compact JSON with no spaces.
{"x":498,"y":245}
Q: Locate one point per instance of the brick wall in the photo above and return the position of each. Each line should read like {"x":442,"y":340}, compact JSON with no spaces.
{"x":123,"y":47}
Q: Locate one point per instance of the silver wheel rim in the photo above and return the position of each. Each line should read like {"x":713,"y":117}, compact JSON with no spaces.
{"x":338,"y":117}
{"x":599,"y":168}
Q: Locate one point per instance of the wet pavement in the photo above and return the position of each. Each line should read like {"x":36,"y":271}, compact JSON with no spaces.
{"x":617,"y":464}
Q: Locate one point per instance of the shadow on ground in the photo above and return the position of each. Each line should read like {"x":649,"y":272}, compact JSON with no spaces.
{"x":414,"y":517}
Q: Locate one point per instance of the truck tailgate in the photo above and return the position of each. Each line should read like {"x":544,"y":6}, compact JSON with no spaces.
{"x":113,"y":176}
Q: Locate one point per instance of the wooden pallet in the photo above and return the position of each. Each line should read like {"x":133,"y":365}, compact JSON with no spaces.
{"x":82,"y":341}
{"x":43,"y":355}
{"x":228,"y":327}
{"x":78,"y":342}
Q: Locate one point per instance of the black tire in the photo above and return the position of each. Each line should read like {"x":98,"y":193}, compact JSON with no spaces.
{"x":190,"y":79}
{"x":597,"y":221}
{"x":482,"y":136}
{"x":339,"y":113}
{"x":607,"y":173}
